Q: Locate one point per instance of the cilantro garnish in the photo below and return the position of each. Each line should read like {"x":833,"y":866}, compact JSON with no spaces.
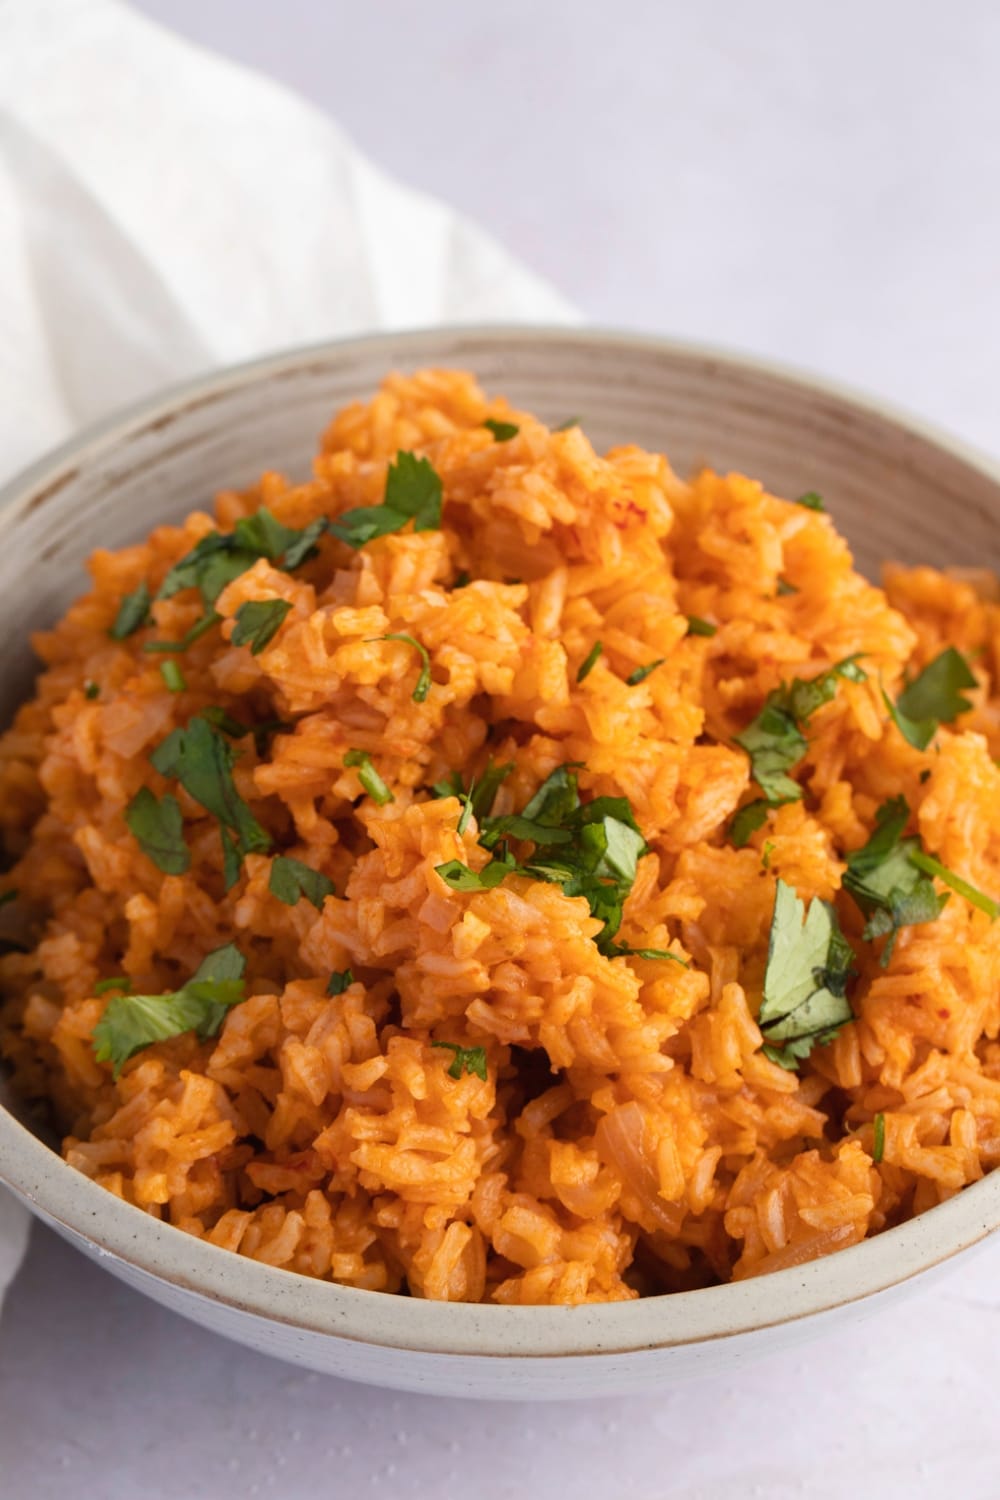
{"x":133,"y":612}
{"x":886,"y":881}
{"x":622,"y":950}
{"x":198,"y":629}
{"x":462,"y":580}
{"x":805,"y":982}
{"x":774,"y":740}
{"x":173,"y":677}
{"x":811,"y":501}
{"x":369,"y":777}
{"x":765,"y":855}
{"x":878,"y":1132}
{"x":119,"y":982}
{"x":785,"y":588}
{"x":589,"y":661}
{"x":566,"y":424}
{"x":290,"y":880}
{"x":934,"y":697}
{"x":202,"y":761}
{"x":698,"y":626}
{"x":339,"y":981}
{"x":91,"y":690}
{"x":641,"y":673}
{"x":482,"y":790}
{"x":158,"y":829}
{"x":423,"y":684}
{"x":258,"y":622}
{"x":590,"y":849}
{"x":931,"y":866}
{"x":746,"y":820}
{"x":222,"y":556}
{"x":412,"y":493}
{"x":132,"y":1022}
{"x":466,"y":1060}
{"x":502,"y":431}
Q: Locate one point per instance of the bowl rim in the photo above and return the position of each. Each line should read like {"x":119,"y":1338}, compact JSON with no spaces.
{"x":154,"y":1249}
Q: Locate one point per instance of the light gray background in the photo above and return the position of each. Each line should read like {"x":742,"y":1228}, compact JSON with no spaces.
{"x":813,"y":182}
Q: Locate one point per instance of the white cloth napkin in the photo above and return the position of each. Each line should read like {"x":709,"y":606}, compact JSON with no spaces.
{"x":163,"y":211}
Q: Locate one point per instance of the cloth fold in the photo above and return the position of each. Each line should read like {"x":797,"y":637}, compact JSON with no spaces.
{"x":163,"y":211}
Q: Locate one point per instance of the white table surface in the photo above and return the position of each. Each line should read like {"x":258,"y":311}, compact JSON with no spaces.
{"x":817,"y":183}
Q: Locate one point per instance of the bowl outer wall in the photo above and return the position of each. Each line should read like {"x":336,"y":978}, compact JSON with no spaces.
{"x":895,"y":489}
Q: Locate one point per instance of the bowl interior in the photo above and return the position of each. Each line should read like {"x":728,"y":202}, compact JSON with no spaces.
{"x":893,"y":491}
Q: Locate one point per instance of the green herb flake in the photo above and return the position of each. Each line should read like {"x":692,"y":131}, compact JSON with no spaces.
{"x":173,"y":677}
{"x":566,"y":424}
{"x":258,"y":622}
{"x":698,"y":626}
{"x":133,"y":1022}
{"x":934,"y":697}
{"x":202,"y":761}
{"x":158,"y":828}
{"x":878,"y":1141}
{"x":886,"y":881}
{"x":774,"y":740}
{"x":423,"y":683}
{"x":462,"y":580}
{"x":931,"y":866}
{"x":589,"y":661}
{"x":412,"y":493}
{"x":746,"y":820}
{"x":466,"y":1060}
{"x":222,"y":556}
{"x":811,"y":501}
{"x":765,"y":855}
{"x":785,"y":588}
{"x":369,"y":777}
{"x":290,"y":880}
{"x":119,"y":982}
{"x":641,"y":673}
{"x":809,"y":963}
{"x":460,"y":878}
{"x":198,"y":629}
{"x":133,"y":612}
{"x":622,"y":950}
{"x":91,"y":690}
{"x":340,"y":980}
{"x":502,"y":431}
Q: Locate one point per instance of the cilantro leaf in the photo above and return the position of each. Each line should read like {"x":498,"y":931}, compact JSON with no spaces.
{"x":132,"y":1022}
{"x":698,"y":626}
{"x":198,"y":629}
{"x":173,"y":677}
{"x":119,"y":982}
{"x":202,"y":761}
{"x":222,"y":556}
{"x":934,"y":697}
{"x":622,"y":950}
{"x":339,"y":981}
{"x":878,"y":1133}
{"x":290,"y":880}
{"x":133,"y":612}
{"x":482,"y":790}
{"x":466,"y":1060}
{"x":258,"y":622}
{"x":502,"y":431}
{"x":423,"y":685}
{"x":805,"y":983}
{"x":369,"y":777}
{"x":774,"y":740}
{"x":158,"y":829}
{"x":811,"y":501}
{"x":91,"y":690}
{"x":460,"y":878}
{"x":641,"y":673}
{"x":931,"y":866}
{"x":589,"y":661}
{"x":886,"y":881}
{"x":746,"y":820}
{"x":412,"y":492}
{"x":785,"y":588}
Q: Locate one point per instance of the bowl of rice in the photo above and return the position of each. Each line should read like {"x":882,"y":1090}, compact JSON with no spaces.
{"x":501,"y":855}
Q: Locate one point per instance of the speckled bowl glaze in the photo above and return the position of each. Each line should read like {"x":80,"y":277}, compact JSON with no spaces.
{"x":895,"y":489}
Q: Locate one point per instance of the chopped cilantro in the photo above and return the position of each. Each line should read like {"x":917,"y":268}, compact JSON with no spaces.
{"x":423,"y":684}
{"x":119,"y":982}
{"x":785,"y":588}
{"x":412,"y":493}
{"x":466,"y":1060}
{"x":934,"y":697}
{"x":91,"y":690}
{"x":931,"y":866}
{"x":641,"y":673}
{"x":622,"y":950}
{"x":460,"y":878}
{"x":765,"y":855}
{"x":589,"y":661}
{"x":482,"y":790}
{"x":462,"y":580}
{"x":198,"y":629}
{"x":878,"y":1133}
{"x":173,"y":677}
{"x":502,"y":431}
{"x":202,"y":761}
{"x":811,"y":501}
{"x":698,"y":626}
{"x":339,"y":981}
{"x":805,"y":983}
{"x":290,"y":880}
{"x":222,"y":556}
{"x":886,"y":881}
{"x":747,"y":820}
{"x":369,"y":777}
{"x":132,"y":1022}
{"x":158,"y":829}
{"x":258,"y":622}
{"x":774,"y":740}
{"x":133,"y":612}
{"x":566,"y":424}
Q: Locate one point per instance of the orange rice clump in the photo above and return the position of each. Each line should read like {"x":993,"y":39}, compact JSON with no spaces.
{"x":630,"y":1135}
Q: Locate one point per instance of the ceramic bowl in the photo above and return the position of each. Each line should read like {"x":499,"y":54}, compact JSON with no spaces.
{"x":895,"y":489}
